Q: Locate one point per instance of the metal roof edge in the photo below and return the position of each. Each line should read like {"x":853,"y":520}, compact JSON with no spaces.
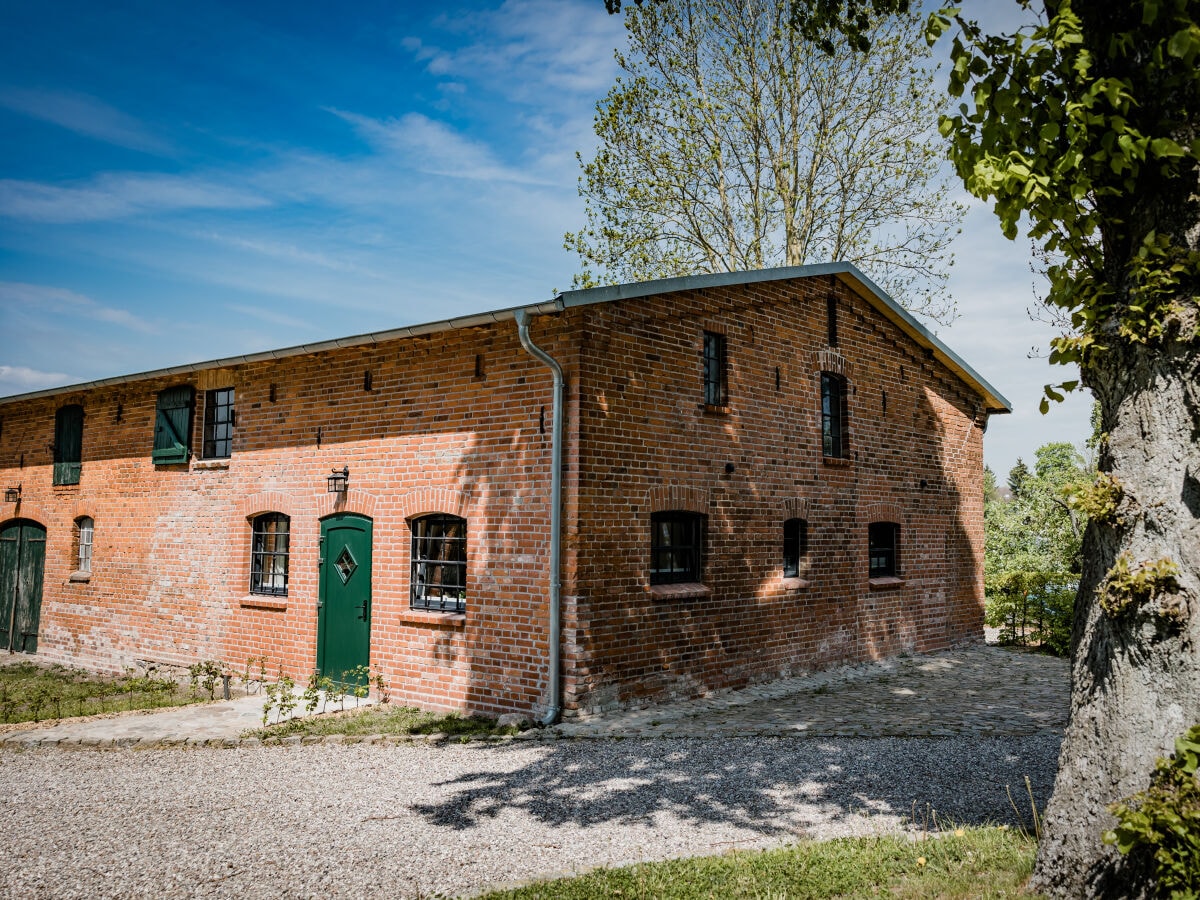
{"x":359,"y":340}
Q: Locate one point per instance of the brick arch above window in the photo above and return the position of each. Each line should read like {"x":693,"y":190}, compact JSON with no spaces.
{"x":424,"y":501}
{"x":829,"y":360}
{"x":266,"y":502}
{"x":795,"y":508}
{"x":884,"y":511}
{"x":667,"y":497}
{"x":352,"y":501}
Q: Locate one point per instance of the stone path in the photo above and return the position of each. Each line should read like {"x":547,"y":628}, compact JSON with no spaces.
{"x":983,"y":690}
{"x":979,"y":690}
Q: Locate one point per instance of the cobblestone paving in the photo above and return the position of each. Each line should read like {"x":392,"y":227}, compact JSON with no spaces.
{"x":981,"y":690}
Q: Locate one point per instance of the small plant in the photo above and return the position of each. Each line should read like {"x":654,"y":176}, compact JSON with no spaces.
{"x":205,"y":674}
{"x":359,"y":680}
{"x":1098,"y":499}
{"x":1127,"y":588}
{"x":251,"y":683}
{"x":381,"y":685}
{"x":312,"y":692}
{"x":1162,"y":823}
{"x":280,"y":698}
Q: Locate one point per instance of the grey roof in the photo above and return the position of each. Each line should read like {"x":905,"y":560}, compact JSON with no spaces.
{"x":847,"y":272}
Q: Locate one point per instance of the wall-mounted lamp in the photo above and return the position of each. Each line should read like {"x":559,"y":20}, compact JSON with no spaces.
{"x":339,"y":480}
{"x":12,"y":494}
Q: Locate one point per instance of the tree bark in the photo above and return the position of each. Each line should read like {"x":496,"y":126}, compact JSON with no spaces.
{"x":1135,"y":676}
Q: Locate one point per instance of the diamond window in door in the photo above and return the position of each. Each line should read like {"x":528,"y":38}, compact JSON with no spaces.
{"x":345,"y":564}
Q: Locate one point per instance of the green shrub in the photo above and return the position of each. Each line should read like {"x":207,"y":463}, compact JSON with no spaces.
{"x":1163,"y":822}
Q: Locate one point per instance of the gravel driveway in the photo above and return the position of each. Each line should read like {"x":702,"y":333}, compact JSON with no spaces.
{"x":414,"y":820}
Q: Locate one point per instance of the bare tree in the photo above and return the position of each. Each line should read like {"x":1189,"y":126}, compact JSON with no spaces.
{"x":732,"y":142}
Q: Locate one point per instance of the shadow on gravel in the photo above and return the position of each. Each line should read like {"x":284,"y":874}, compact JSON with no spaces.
{"x":766,"y":785}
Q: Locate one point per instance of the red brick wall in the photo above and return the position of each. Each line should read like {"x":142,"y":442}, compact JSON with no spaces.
{"x":171,"y":557}
{"x":648,"y":444}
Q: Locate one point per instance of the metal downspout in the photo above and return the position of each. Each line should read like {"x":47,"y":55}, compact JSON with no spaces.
{"x":556,"y":441}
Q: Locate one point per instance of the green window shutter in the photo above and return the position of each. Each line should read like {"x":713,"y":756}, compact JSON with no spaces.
{"x":173,"y":426}
{"x":68,"y":444}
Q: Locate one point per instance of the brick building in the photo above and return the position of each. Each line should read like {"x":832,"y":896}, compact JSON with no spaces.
{"x":762,"y":473}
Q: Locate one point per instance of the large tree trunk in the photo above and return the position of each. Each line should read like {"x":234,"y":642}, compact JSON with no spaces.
{"x":1135,"y":676}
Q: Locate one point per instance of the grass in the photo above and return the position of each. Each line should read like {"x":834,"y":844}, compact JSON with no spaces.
{"x":384,"y":719}
{"x":989,"y":863}
{"x":33,"y":693}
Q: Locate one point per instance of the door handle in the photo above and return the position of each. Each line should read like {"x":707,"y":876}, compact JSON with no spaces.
{"x":365,"y":609}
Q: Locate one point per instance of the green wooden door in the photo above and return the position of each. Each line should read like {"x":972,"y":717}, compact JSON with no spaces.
{"x":22,"y":561}
{"x":344,"y":604}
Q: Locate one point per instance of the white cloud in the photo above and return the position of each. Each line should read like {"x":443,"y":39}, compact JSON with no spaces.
{"x":18,"y":379}
{"x":434,"y":148}
{"x":43,"y":298}
{"x":531,"y":50}
{"x":119,"y":195}
{"x":84,"y":115}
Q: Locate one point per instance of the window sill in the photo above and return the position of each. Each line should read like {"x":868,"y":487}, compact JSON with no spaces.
{"x":686,"y":591}
{"x":836,"y":460}
{"x":80,"y":577}
{"x":715,"y":410}
{"x":886,"y":583}
{"x":263,"y":601}
{"x":202,"y":464}
{"x":795,"y":584}
{"x":432,"y":619}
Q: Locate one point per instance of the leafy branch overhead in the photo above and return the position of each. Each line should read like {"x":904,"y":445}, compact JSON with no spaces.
{"x":733,"y":142}
{"x":1091,"y":144}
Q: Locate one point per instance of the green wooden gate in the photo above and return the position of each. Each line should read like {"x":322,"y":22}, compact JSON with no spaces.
{"x":22,"y":561}
{"x":344,"y":602}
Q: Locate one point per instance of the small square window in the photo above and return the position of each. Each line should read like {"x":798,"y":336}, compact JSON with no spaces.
{"x":716,"y":389}
{"x":218,"y":423}
{"x":676,"y":547}
{"x":884,"y":548}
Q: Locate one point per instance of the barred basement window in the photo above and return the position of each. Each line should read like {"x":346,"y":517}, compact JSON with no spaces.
{"x":833,"y":415}
{"x":676,"y":547}
{"x":85,"y":527}
{"x":218,"y":423}
{"x":269,"y":554}
{"x":884,"y":541}
{"x":716,"y":388}
{"x":439,"y":563}
{"x":795,"y":547}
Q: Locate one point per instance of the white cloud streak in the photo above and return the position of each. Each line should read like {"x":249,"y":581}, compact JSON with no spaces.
{"x":120,"y":195}
{"x":38,"y":298}
{"x":17,"y":379}
{"x":83,"y":115}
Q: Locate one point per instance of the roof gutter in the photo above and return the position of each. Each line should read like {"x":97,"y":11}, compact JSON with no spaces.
{"x":556,"y":442}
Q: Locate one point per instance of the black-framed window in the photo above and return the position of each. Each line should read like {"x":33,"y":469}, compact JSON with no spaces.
{"x":269,"y":554}
{"x":676,"y":547}
{"x":173,"y":426}
{"x":218,"y":423}
{"x":884,"y":546}
{"x":68,"y":444}
{"x":439,"y":563}
{"x":795,"y":547}
{"x":716,"y":385}
{"x":833,"y":415}
{"x":84,"y":530}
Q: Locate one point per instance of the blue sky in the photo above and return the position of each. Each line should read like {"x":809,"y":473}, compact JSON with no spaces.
{"x":179,"y":185}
